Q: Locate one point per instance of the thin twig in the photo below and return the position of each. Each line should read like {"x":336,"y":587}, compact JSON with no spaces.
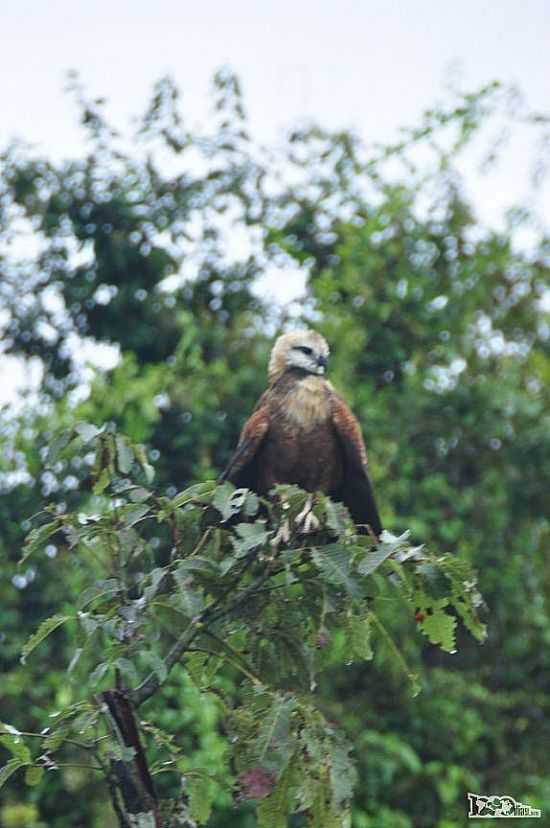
{"x":235,"y":658}
{"x":45,"y":736}
{"x":151,"y":683}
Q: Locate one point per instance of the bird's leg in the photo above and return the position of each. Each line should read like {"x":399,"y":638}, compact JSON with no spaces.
{"x":306,"y":520}
{"x":283,"y":534}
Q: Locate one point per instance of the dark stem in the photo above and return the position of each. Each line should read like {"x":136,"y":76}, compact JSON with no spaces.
{"x":130,"y":776}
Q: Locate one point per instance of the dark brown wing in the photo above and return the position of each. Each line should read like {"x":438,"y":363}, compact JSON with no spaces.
{"x":355,"y":491}
{"x":242,"y":468}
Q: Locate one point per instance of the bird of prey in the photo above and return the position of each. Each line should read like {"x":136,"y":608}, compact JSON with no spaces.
{"x":302,"y":432}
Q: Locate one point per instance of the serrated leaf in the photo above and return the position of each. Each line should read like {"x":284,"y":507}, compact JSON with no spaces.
{"x":375,"y":558}
{"x":156,"y":578}
{"x":12,"y":740}
{"x":98,"y":673}
{"x":43,"y":631}
{"x":157,"y":665}
{"x":396,"y":653}
{"x":102,"y":482}
{"x":463,"y":604}
{"x":200,"y":565}
{"x":38,"y":537}
{"x":141,"y":457}
{"x":122,"y":753}
{"x":145,"y":820}
{"x":250,"y":537}
{"x":439,"y":627}
{"x":343,"y":774}
{"x":139,"y":494}
{"x":190,"y":601}
{"x":124,"y":454}
{"x":200,"y":801}
{"x":274,"y":728}
{"x":228,"y":500}
{"x":74,"y":660}
{"x":56,"y":447}
{"x":333,"y":563}
{"x":251,"y":504}
{"x":336,"y":517}
{"x":200,"y":491}
{"x":130,"y":515}
{"x":274,"y":810}
{"x":359,"y":637}
{"x":9,"y":769}
{"x":127,"y":668}
{"x":87,"y":431}
{"x":99,"y":590}
{"x":33,"y":775}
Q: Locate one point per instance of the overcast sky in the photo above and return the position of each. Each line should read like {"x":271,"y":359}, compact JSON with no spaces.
{"x":373,"y":65}
{"x":370,"y":64}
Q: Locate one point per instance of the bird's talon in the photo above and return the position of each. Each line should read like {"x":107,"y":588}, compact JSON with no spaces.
{"x":306,"y":520}
{"x":283,"y":534}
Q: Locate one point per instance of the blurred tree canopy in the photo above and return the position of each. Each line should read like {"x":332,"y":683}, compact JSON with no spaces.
{"x":154,"y":249}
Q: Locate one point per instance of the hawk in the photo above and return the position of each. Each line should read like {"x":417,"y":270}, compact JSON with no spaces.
{"x":301,"y":431}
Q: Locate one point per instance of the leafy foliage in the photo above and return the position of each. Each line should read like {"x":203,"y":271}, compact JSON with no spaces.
{"x":251,"y":604}
{"x":439,"y":338}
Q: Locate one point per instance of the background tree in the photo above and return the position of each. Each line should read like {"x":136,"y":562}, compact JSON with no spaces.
{"x":439,"y":339}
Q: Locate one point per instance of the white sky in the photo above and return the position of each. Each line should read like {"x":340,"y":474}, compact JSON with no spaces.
{"x":373,"y":65}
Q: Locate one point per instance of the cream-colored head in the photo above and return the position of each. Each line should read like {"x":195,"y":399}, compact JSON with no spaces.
{"x":305,"y":349}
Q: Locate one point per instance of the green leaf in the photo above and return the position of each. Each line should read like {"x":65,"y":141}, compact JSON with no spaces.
{"x":396,"y":653}
{"x":228,"y":500}
{"x":200,"y":798}
{"x":251,"y":504}
{"x":130,"y":515}
{"x":250,"y":537}
{"x":33,"y":775}
{"x":332,"y":561}
{"x":102,"y":482}
{"x":120,"y":752}
{"x":9,"y":768}
{"x":98,"y":673}
{"x":200,"y":492}
{"x":145,"y":820}
{"x":139,"y":494}
{"x":125,"y":455}
{"x":74,"y":660}
{"x":87,"y":431}
{"x":274,"y":810}
{"x":56,"y":447}
{"x":190,"y":601}
{"x":336,"y":517}
{"x":38,"y":537}
{"x":274,"y":729}
{"x":389,"y":545}
{"x":343,"y":775}
{"x":439,"y":626}
{"x":101,"y":589}
{"x":12,"y":740}
{"x":200,"y":565}
{"x":43,"y":631}
{"x":321,"y":813}
{"x":141,"y":457}
{"x":359,"y":637}
{"x":157,"y":665}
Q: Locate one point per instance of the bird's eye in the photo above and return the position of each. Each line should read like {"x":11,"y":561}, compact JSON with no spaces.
{"x":304,"y":349}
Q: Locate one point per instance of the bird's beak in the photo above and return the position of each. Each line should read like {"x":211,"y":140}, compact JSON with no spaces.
{"x":322,"y":362}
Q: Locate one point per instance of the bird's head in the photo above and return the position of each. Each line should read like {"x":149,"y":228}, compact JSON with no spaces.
{"x":307,"y":350}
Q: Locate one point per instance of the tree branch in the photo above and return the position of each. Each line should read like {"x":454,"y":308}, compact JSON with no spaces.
{"x":150,"y":685}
